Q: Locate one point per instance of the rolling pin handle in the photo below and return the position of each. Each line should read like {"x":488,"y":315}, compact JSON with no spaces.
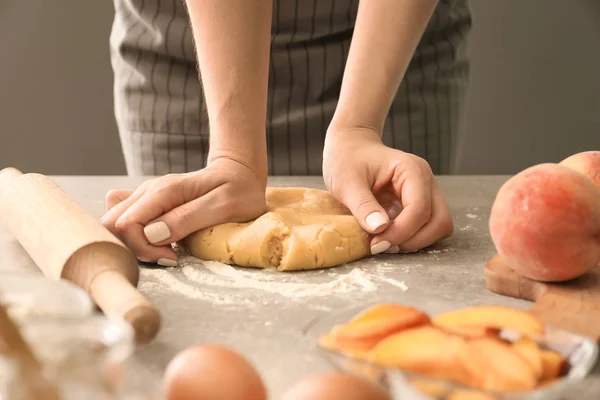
{"x":116,"y":296}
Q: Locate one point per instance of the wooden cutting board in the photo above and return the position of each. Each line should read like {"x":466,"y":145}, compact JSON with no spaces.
{"x":572,"y":305}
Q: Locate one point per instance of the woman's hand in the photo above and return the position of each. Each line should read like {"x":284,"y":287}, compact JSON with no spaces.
{"x":392,"y":194}
{"x":164,"y":210}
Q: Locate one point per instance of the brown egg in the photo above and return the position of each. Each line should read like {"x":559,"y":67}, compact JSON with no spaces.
{"x":335,"y":386}
{"x":212,"y":372}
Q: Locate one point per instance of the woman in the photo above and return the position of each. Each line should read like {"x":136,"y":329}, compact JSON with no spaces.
{"x":366,"y":93}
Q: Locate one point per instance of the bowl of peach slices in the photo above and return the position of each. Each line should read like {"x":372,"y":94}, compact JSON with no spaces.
{"x":476,"y":353}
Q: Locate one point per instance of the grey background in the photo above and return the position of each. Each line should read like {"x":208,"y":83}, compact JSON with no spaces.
{"x":534,"y":95}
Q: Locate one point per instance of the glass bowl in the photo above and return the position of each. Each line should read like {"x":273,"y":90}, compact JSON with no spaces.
{"x":83,"y":357}
{"x":580,"y":351}
{"x":29,"y":295}
{"x":94,"y":339}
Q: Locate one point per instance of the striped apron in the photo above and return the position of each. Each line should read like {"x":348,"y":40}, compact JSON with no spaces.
{"x":160,"y":111}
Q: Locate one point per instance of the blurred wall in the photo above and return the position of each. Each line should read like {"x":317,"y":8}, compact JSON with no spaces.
{"x":535,"y":88}
{"x":534,"y":95}
{"x":56,"y":114}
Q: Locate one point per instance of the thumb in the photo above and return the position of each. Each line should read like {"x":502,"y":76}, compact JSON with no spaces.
{"x":361,"y":202}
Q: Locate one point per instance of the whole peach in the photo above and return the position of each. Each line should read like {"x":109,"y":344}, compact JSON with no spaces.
{"x":587,"y":163}
{"x":545,"y":223}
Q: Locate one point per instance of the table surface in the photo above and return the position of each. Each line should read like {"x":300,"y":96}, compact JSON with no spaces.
{"x":262,"y":314}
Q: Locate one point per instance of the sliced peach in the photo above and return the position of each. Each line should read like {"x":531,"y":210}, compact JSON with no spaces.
{"x":333,"y":343}
{"x":554,"y":365}
{"x":469,"y":395}
{"x":425,"y":350}
{"x":433,"y":389}
{"x":531,"y":352}
{"x":472,"y":332}
{"x":358,"y":354}
{"x":359,"y":350}
{"x":500,"y":317}
{"x":380,"y":321}
{"x":493,"y":365}
{"x":384,"y":311}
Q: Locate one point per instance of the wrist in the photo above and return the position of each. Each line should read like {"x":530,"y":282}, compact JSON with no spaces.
{"x":352,"y":133}
{"x":243,"y":142}
{"x":349,"y":119}
{"x":247,"y":159}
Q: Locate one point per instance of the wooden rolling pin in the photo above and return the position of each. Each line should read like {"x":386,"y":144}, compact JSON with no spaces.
{"x":66,"y":242}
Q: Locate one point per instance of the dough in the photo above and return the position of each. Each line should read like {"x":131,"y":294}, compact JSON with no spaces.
{"x":302,"y":229}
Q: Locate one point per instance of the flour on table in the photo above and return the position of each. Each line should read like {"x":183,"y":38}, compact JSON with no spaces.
{"x":396,"y":283}
{"x":356,"y":279}
{"x":147,"y":286}
{"x":434,"y":251}
{"x":224,"y":284}
{"x":473,"y":216}
{"x":168,"y":279}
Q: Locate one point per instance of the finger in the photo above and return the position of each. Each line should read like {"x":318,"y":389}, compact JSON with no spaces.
{"x":213,"y":208}
{"x":136,"y":241}
{"x":440,"y":226}
{"x":121,"y":204}
{"x":363,"y":205}
{"x":389,"y":201}
{"x":110,"y":218}
{"x":145,"y":216}
{"x":116,"y":196}
{"x":414,"y":188}
{"x":118,"y":201}
{"x":162,"y":199}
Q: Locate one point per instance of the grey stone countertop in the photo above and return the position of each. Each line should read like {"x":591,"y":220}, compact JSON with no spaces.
{"x":262,"y":313}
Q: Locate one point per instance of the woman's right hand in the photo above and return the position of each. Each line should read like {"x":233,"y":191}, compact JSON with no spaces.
{"x":164,"y":210}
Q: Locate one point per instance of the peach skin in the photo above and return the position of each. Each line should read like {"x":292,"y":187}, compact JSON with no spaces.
{"x":587,"y":163}
{"x":425,"y":350}
{"x":545,"y":223}
{"x":492,"y":365}
{"x":493,"y":316}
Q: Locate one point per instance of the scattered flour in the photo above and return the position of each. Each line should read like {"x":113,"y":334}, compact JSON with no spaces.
{"x":396,"y":283}
{"x":466,"y":227}
{"x":438,"y":251}
{"x":234,"y":278}
{"x":217,"y":283}
{"x":473,"y":216}
{"x":147,"y":286}
{"x":165,"y":277}
{"x":435,"y":252}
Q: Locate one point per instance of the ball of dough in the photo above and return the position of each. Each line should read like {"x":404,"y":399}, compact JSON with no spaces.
{"x":302,"y":229}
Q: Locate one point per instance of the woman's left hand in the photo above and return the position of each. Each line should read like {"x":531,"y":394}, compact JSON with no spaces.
{"x":392,"y":194}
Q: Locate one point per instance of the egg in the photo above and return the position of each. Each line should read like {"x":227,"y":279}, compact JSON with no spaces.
{"x":212,"y":372}
{"x":335,"y":386}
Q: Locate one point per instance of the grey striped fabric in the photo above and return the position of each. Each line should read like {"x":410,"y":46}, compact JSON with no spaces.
{"x":159,"y":106}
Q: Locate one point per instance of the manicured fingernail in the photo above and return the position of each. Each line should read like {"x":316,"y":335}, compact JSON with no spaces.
{"x":157,"y":232}
{"x":375,"y":220}
{"x":393,"y":250}
{"x":165,"y":262}
{"x":143,"y":260}
{"x":380,"y":247}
